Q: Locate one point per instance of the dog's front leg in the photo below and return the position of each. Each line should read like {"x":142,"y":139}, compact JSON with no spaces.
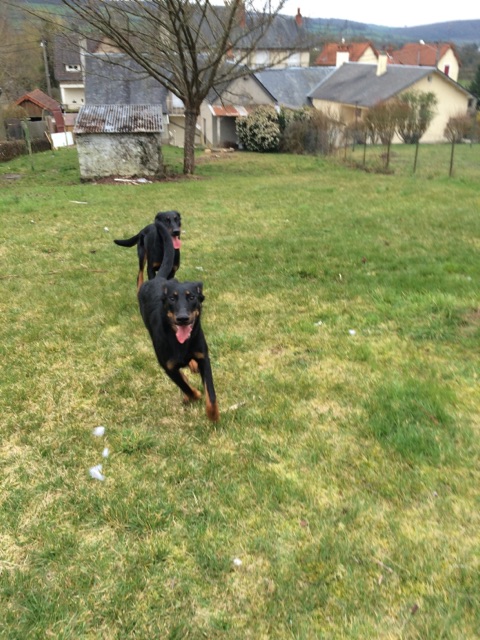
{"x":210,"y":395}
{"x":190,"y":392}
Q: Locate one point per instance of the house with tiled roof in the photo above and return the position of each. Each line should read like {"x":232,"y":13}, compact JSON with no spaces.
{"x":40,"y":106}
{"x":336,"y":53}
{"x":442,"y":55}
{"x":288,"y":87}
{"x":68,"y":69}
{"x":286,"y":43}
{"x":354,"y":88}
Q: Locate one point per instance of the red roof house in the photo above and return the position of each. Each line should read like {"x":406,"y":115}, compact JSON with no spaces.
{"x":350,"y":52}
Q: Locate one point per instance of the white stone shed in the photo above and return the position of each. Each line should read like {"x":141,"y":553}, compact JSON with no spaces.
{"x":119,"y":141}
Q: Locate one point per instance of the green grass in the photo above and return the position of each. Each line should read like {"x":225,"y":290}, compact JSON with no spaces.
{"x":343,"y":321}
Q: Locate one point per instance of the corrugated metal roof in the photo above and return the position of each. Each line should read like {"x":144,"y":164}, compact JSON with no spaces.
{"x":114,"y":118}
{"x":229,"y":110}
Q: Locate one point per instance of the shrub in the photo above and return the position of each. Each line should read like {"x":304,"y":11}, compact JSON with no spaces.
{"x":260,"y":130}
{"x":10,"y":149}
{"x":311,"y":131}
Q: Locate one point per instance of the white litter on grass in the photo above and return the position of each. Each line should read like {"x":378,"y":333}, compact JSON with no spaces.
{"x":32,"y":221}
{"x":99,"y":431}
{"x":352,"y":332}
{"x":235,"y":406}
{"x":106,"y":229}
{"x":319,"y":323}
{"x":105,"y":452}
{"x":96,"y":472}
{"x":199,"y":268}
{"x":237,"y":562}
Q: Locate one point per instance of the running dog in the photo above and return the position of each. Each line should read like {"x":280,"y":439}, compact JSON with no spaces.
{"x":150,"y":247}
{"x":171,"y":312}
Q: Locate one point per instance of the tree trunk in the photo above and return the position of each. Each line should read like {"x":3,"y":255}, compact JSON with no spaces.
{"x":452,"y":151}
{"x":417,"y":144}
{"x":189,"y":148}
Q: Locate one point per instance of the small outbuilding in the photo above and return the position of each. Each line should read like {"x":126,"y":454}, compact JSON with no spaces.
{"x":42,"y":108}
{"x":119,"y":141}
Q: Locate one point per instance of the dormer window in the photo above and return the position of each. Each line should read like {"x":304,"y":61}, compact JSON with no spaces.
{"x":72,"y":67}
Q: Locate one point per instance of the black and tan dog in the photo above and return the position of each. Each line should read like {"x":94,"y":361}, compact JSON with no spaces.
{"x":171,"y":312}
{"x":150,"y":245}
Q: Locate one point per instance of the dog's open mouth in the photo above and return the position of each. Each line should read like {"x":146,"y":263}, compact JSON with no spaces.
{"x":183,"y":332}
{"x":176,"y":242}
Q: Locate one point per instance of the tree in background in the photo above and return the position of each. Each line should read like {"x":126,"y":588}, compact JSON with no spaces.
{"x":382,"y":121}
{"x":416,"y":115}
{"x":21,"y":57}
{"x":189,"y":47}
{"x":456,"y":130}
{"x":475,"y":86}
{"x":417,"y":109}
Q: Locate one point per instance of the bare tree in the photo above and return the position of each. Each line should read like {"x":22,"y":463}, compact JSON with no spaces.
{"x":188,"y":46}
{"x":382,"y":121}
{"x":21,"y":67}
{"x":456,"y":129}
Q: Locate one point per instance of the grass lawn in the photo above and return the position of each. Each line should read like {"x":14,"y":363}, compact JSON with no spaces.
{"x":338,"y":495}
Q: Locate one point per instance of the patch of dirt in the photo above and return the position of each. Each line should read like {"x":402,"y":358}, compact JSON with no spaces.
{"x":12,"y":176}
{"x":210,"y":155}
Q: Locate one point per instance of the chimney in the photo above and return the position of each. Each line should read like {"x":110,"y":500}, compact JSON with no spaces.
{"x":242,"y":16}
{"x":343,"y":55}
{"x":299,"y":18}
{"x":382,"y":64}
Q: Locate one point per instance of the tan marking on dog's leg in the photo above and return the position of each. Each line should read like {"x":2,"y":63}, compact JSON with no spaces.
{"x":212,"y":410}
{"x":193,"y":366}
{"x":139,"y":280}
{"x":196,"y":395}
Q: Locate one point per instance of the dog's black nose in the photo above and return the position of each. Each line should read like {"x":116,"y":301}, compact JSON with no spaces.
{"x":182,"y":318}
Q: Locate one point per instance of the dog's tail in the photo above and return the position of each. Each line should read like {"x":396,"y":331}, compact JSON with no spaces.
{"x":130,"y":242}
{"x":168,"y":251}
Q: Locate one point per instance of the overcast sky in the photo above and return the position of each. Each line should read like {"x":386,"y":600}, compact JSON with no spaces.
{"x":407,"y":13}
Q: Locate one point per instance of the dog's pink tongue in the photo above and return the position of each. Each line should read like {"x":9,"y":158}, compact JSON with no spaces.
{"x":176,"y":243}
{"x":183,"y":333}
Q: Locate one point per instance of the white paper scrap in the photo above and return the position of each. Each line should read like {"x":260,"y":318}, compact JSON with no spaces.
{"x":96,"y":472}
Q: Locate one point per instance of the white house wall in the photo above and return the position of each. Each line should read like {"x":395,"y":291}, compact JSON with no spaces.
{"x":451,"y":102}
{"x":72,"y":96}
{"x":277,"y":59}
{"x":449,"y":60}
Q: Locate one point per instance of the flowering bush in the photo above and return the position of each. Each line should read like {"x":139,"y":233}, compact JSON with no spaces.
{"x":260,"y":130}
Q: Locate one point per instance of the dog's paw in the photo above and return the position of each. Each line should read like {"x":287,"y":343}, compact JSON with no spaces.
{"x":213,"y":413}
{"x":196,"y":395}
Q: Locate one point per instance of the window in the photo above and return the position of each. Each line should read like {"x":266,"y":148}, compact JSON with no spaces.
{"x":446,"y":70}
{"x":260,"y":58}
{"x":294,"y":60}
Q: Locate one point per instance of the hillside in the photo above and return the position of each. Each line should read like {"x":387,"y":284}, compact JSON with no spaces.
{"x":459,"y":32}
